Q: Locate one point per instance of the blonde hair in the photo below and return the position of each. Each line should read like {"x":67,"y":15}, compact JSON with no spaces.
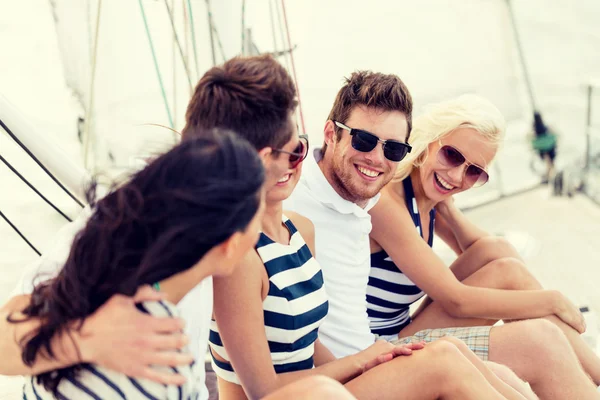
{"x":440,"y":119}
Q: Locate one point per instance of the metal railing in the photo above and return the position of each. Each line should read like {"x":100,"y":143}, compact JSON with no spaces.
{"x":591,"y":178}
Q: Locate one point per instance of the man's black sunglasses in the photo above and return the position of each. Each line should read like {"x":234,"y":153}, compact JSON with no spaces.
{"x":365,"y":142}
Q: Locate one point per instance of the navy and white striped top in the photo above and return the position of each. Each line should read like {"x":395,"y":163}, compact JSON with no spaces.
{"x":293,"y":309}
{"x":94,"y":382}
{"x":390,"y":293}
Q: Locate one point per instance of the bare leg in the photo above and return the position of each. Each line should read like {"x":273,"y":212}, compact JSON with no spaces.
{"x":538,"y":352}
{"x":502,"y":378}
{"x":493,"y":275}
{"x":500,"y":273}
{"x":482,"y":252}
{"x":439,"y":371}
{"x":314,"y":387}
{"x":479,"y":254}
{"x":508,"y":376}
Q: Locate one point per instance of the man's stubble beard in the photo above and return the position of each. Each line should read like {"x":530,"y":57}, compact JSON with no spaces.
{"x":342,"y":175}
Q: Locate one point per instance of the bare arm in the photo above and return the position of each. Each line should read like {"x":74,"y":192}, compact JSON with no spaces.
{"x":116,"y":336}
{"x":395,"y":232}
{"x":322,"y":354}
{"x":239,"y":315}
{"x":13,"y":333}
{"x":455,"y":228}
{"x":444,"y":232}
{"x":238,"y":311}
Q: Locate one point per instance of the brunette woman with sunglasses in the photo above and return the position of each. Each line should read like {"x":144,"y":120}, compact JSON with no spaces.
{"x":453,"y":145}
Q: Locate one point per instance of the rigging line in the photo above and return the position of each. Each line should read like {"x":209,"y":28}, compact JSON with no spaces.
{"x":88,"y":113}
{"x":173,"y":61}
{"x":39,"y":163}
{"x":513,"y":24}
{"x":19,"y":233}
{"x":219,"y":42}
{"x":285,"y":56}
{"x":191,"y":15}
{"x":160,"y":81}
{"x":287,"y":27}
{"x":183,"y":60}
{"x":14,"y":170}
{"x":210,"y":31}
{"x":275,"y":47}
{"x":243,"y":27}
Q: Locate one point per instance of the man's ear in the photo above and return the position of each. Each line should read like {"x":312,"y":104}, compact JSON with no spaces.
{"x":329,"y":133}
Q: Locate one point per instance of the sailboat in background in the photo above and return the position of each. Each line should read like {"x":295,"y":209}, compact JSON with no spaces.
{"x":130,"y":67}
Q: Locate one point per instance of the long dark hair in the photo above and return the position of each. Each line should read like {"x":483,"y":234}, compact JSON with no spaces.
{"x":159,"y":223}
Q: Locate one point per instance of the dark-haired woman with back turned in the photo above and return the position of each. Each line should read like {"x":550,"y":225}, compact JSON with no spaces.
{"x":191,"y":213}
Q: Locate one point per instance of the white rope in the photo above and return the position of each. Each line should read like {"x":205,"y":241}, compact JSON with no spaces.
{"x":183,"y":58}
{"x":275,"y":47}
{"x":174,"y":67}
{"x":281,"y":32}
{"x":88,"y":113}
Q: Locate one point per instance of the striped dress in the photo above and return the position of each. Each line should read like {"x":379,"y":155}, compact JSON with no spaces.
{"x":390,"y":293}
{"x":293,"y":309}
{"x":94,"y":382}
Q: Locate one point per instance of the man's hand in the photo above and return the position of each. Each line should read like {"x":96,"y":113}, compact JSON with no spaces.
{"x":120,"y":337}
{"x":385,"y":351}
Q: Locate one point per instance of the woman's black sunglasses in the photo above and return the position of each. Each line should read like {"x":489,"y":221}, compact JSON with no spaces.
{"x":299,"y":153}
{"x":365,"y":142}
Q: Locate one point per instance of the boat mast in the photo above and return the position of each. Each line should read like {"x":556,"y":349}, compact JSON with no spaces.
{"x":521,"y":55}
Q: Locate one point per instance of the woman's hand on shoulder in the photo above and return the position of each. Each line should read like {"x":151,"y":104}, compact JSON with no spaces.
{"x":120,"y":337}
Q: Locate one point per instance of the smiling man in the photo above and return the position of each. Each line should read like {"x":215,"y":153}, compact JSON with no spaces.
{"x":365,"y":137}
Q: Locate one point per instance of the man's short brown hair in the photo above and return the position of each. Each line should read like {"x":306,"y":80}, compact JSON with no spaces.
{"x":385,"y":92}
{"x":253,"y":96}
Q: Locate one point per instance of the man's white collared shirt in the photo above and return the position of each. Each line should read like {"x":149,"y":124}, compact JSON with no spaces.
{"x":342,"y":245}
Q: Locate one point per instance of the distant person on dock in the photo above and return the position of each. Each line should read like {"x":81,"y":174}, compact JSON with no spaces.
{"x":544,"y":142}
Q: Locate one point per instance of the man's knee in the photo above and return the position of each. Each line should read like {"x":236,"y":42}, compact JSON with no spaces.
{"x":459,"y":344}
{"x":539,"y":339}
{"x":446,"y":351}
{"x":451,"y":370}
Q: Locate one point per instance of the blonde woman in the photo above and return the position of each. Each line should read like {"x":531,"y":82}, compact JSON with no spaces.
{"x":453,"y":144}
